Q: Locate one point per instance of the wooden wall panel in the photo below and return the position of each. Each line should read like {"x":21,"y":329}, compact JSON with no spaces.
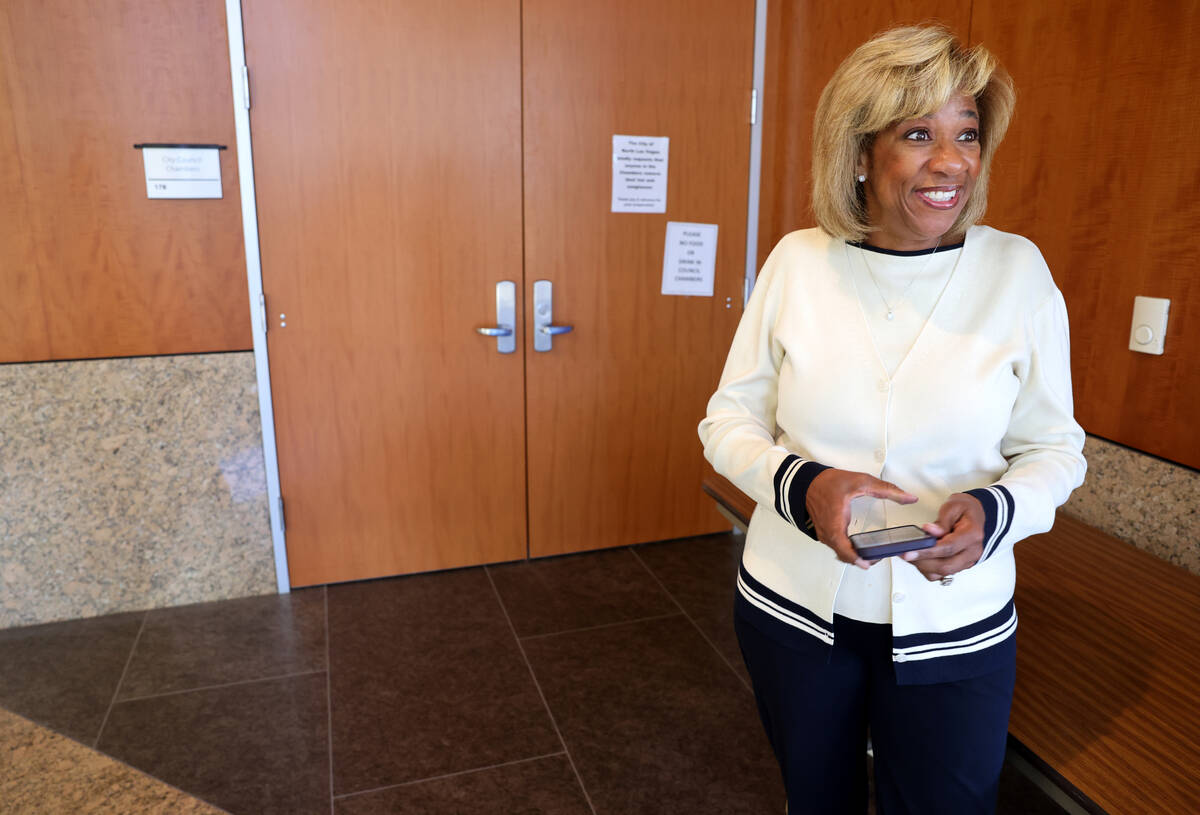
{"x":1098,"y":169}
{"x":1101,"y":170}
{"x":89,"y":267}
{"x":806,"y":41}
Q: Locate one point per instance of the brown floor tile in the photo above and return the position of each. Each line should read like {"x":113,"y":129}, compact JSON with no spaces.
{"x":64,"y":675}
{"x":228,"y":641}
{"x":655,"y":721}
{"x":545,"y":786}
{"x":427,"y":679}
{"x":701,"y":574}
{"x":257,"y":748}
{"x":563,"y":593}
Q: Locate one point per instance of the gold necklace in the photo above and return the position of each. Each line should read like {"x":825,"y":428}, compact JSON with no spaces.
{"x":891,"y":312}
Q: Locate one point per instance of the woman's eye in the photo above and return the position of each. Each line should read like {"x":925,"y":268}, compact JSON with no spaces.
{"x":969,"y":135}
{"x":919,"y":134}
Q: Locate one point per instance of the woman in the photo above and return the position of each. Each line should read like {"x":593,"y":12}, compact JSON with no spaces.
{"x":897,"y":365}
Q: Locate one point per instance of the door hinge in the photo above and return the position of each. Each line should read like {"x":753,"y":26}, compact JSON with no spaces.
{"x":262,"y":311}
{"x":246,"y":86}
{"x":282,"y":517}
{"x":754,"y":106}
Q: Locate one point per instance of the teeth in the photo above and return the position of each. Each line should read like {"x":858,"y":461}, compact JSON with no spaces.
{"x":940,"y":195}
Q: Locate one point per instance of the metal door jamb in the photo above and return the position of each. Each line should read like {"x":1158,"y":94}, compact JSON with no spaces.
{"x":760,"y":54}
{"x":262,"y":367}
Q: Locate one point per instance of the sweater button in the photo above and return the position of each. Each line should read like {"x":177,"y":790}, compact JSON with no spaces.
{"x":898,"y":597}
{"x":884,"y":386}
{"x":900,"y":658}
{"x":880,"y":454}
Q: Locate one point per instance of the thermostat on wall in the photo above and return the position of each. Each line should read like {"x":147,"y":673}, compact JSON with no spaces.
{"x":1149,"y":324}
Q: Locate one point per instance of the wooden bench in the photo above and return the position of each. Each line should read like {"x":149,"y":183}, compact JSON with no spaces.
{"x":1107,"y":703}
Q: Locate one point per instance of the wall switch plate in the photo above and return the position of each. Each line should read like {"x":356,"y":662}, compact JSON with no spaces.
{"x":1149,"y":324}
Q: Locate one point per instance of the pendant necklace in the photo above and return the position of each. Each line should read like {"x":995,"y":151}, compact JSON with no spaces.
{"x":891,"y":312}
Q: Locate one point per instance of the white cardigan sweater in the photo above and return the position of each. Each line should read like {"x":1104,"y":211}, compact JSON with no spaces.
{"x":981,"y":404}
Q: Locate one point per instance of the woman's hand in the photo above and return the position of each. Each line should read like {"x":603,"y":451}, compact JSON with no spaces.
{"x":828,"y":506}
{"x":959,"y":529}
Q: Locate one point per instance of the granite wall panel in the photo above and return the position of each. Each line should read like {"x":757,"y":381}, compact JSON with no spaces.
{"x":128,"y":484}
{"x":139,"y":483}
{"x":1151,"y":503}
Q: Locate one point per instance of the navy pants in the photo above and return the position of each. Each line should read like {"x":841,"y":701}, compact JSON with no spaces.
{"x":938,"y":748}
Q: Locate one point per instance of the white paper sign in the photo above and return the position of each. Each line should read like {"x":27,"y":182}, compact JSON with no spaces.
{"x":690,"y":259}
{"x":182,"y":172}
{"x":639,"y":173}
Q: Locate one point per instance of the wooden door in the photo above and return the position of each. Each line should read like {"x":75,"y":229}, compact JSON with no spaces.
{"x":89,"y":266}
{"x":612,"y":410}
{"x":387,"y":150}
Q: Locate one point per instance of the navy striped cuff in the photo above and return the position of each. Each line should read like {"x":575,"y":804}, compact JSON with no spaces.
{"x":791,"y":486}
{"x":998,"y":508}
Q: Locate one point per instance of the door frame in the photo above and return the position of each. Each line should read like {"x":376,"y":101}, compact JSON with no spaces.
{"x":756,"y":120}
{"x":239,"y":75}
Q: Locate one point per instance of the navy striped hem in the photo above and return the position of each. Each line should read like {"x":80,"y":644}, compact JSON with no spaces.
{"x":998,"y":508}
{"x":784,"y":620}
{"x":792,"y":480}
{"x":918,"y":644}
{"x":998,"y":653}
{"x":918,"y":659}
{"x":948,"y":656}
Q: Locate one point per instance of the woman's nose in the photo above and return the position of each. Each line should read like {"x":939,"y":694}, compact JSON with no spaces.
{"x":948,"y":158}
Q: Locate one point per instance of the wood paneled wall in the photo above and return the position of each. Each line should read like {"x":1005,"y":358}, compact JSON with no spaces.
{"x":1101,"y":170}
{"x":806,"y":41}
{"x":1098,"y":169}
{"x":89,"y":267}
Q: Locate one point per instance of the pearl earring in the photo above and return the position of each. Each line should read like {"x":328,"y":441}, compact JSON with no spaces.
{"x":861,"y":178}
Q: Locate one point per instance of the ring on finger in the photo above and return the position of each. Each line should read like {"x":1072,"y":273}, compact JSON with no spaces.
{"x":947,"y":579}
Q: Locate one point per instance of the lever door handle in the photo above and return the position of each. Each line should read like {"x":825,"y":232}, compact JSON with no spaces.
{"x":544,"y":329}
{"x":506,"y":318}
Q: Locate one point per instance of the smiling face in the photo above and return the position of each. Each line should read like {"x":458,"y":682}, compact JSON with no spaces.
{"x":920,"y":174}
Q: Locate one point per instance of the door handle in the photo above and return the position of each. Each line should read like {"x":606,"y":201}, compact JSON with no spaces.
{"x":544,"y":329}
{"x":506,"y":318}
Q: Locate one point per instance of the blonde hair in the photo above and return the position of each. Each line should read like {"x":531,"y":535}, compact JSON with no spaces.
{"x":903,"y":73}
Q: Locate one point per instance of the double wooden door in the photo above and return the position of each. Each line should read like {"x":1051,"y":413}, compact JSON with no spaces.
{"x":411,"y":155}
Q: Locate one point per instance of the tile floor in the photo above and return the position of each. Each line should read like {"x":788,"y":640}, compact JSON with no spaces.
{"x":601,"y":684}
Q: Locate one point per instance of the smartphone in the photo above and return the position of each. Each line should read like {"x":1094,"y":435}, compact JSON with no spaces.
{"x":894,"y":540}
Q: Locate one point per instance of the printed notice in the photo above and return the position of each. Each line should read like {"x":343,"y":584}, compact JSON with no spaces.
{"x":689,"y":259}
{"x":639,"y":173}
{"x":182,"y":172}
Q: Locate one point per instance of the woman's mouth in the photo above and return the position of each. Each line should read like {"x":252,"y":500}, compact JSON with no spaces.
{"x":940,"y":197}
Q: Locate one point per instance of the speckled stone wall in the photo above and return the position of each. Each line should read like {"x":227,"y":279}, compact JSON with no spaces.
{"x":1150,"y":503}
{"x":129,"y":484}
